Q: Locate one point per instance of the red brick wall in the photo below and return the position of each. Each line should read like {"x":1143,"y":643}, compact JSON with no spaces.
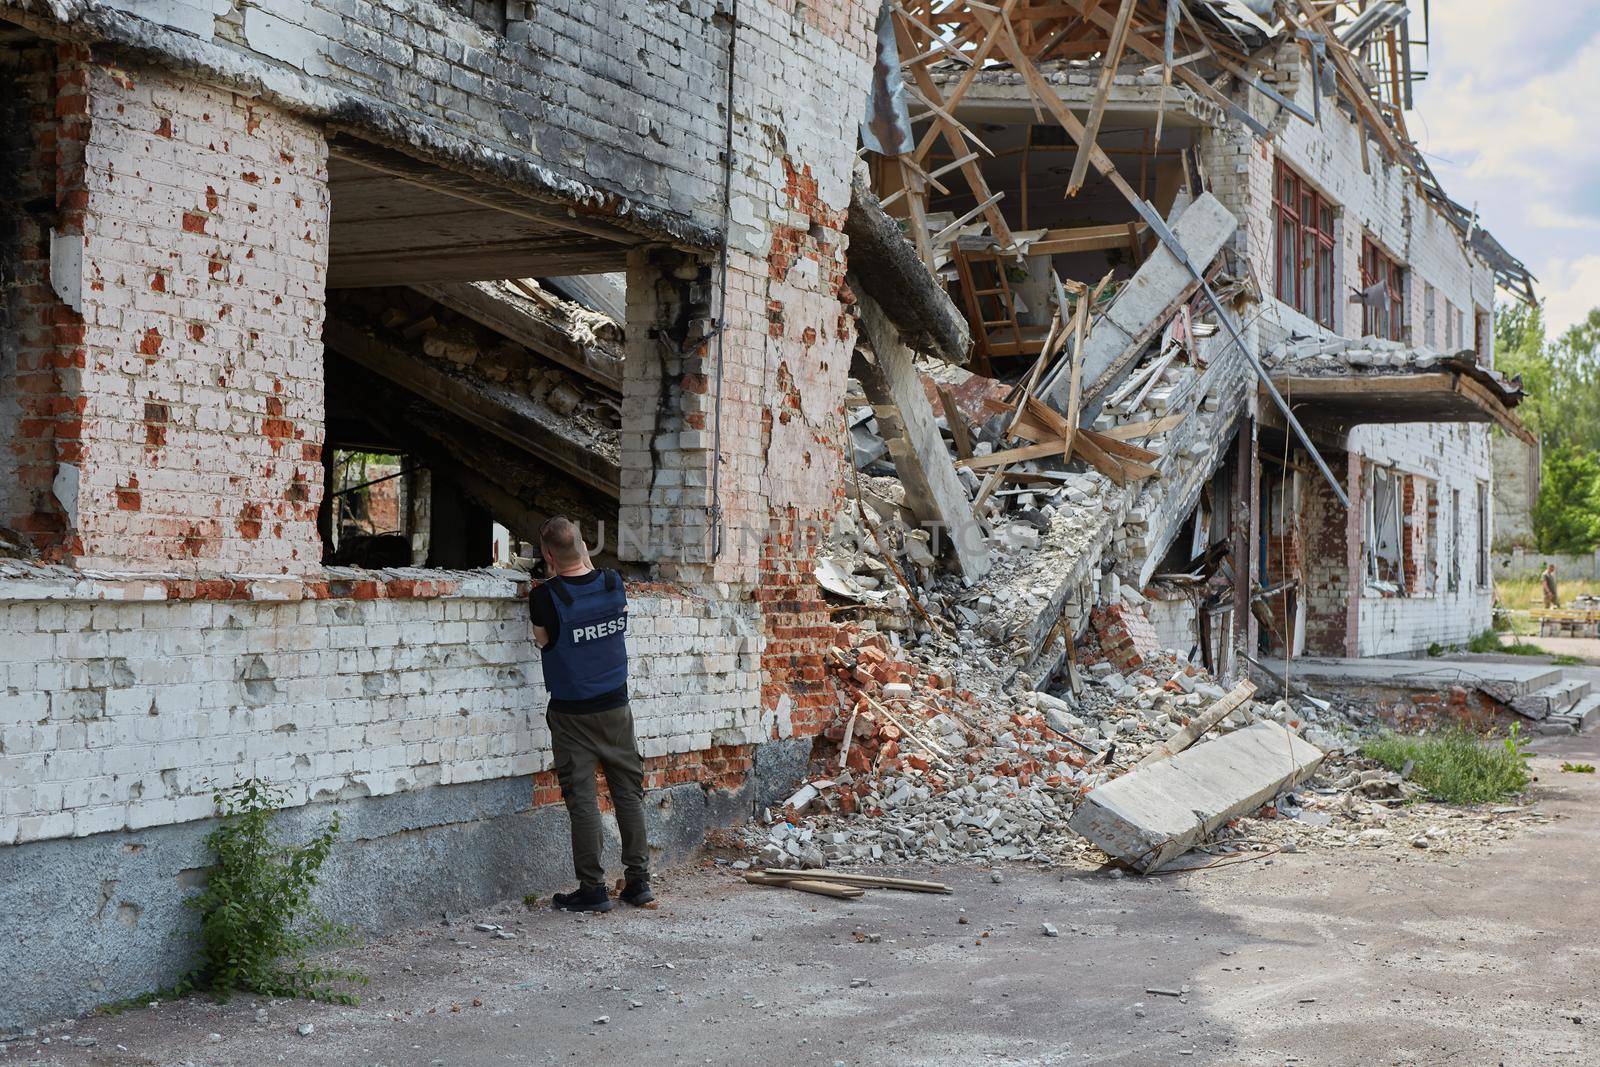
{"x":178,"y":417}
{"x":42,"y":120}
{"x":1332,"y":587}
{"x":1126,"y":637}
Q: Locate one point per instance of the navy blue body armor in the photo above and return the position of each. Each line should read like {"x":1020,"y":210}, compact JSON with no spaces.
{"x":589,"y":657}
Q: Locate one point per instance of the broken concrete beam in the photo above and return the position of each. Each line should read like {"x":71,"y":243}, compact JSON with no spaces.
{"x":1146,"y":303}
{"x":933,"y":489}
{"x":503,"y":412}
{"x":1151,"y":816}
{"x":885,"y":266}
{"x":521,"y":320}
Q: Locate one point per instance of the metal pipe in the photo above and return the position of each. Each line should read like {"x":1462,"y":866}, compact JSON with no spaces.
{"x":714,"y":512}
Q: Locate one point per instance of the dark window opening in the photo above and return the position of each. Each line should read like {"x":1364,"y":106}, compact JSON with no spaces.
{"x":1305,"y":275}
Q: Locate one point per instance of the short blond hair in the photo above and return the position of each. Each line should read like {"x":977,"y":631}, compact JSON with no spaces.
{"x":561,"y":539}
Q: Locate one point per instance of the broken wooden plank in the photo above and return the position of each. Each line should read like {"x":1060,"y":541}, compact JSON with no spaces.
{"x":865,"y":881}
{"x":1013,"y":455}
{"x":806,"y":885}
{"x":959,"y":431}
{"x":1200,"y":724}
{"x":906,"y":423}
{"x":1102,"y":92}
{"x":1148,"y":428}
{"x":1154,"y":814}
{"x":1082,"y":239}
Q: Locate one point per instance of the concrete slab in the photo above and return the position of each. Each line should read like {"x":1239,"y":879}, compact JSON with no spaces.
{"x":1159,"y":812}
{"x":933,"y":489}
{"x":1146,"y":303}
{"x":1514,"y":679}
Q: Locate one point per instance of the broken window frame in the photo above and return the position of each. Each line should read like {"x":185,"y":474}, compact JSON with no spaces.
{"x":1483,"y":535}
{"x":1376,"y":264}
{"x":1384,"y":576}
{"x":1304,"y":219}
{"x":1453,"y":564}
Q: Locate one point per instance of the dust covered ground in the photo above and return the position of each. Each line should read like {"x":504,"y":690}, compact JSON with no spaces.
{"x":1317,"y":956}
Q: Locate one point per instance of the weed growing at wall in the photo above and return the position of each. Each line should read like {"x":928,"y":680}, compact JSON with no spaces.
{"x":1456,"y":766}
{"x":258,"y":927}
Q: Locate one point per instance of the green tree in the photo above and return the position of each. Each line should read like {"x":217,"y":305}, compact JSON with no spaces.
{"x":1520,"y":349}
{"x":1566,"y":517}
{"x":1572,"y":408}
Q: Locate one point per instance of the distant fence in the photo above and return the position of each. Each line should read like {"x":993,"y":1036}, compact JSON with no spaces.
{"x":1519,"y":564}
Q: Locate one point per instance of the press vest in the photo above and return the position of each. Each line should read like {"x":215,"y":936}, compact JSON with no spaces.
{"x":589,"y":657}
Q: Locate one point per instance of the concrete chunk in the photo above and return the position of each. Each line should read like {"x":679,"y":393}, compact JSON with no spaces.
{"x":1155,"y":814}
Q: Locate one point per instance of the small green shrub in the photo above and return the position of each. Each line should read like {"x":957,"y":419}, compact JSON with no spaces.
{"x":1578,"y":768}
{"x":1436,"y":649}
{"x":1456,"y":766}
{"x":257,"y":924}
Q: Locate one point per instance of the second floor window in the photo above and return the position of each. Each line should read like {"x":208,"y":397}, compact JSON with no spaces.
{"x":1385,"y":307}
{"x":1305,"y":247}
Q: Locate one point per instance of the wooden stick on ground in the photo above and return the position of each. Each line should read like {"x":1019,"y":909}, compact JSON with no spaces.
{"x":807,"y":885}
{"x":867,"y":881}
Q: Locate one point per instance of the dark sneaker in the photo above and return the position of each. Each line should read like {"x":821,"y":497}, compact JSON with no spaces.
{"x":637,"y":893}
{"x":584,"y":899}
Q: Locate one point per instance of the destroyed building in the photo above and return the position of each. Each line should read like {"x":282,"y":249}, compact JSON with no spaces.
{"x":314,"y":312}
{"x":1342,"y":286}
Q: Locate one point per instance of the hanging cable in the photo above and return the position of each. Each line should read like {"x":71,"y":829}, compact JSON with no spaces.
{"x":714,"y":512}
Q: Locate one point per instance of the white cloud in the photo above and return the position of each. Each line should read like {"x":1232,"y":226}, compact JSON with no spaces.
{"x":1571,"y":287}
{"x":1507,"y":121}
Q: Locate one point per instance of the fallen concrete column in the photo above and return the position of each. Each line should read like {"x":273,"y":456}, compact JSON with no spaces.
{"x":1146,"y":303}
{"x":933,"y":490}
{"x":1153,"y":815}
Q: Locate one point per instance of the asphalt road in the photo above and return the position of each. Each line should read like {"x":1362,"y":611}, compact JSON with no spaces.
{"x":1316,"y":957}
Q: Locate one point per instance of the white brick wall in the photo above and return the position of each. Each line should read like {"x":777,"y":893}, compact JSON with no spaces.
{"x":125,"y":713}
{"x":1381,"y":202}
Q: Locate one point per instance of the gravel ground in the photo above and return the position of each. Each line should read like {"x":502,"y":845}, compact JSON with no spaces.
{"x":1311,"y":957}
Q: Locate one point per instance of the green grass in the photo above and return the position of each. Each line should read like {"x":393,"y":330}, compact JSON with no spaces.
{"x":1456,"y":766}
{"x":1489,"y":641}
{"x":1566,"y":659}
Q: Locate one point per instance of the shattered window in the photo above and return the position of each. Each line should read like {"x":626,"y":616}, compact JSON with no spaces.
{"x":1383,"y":293}
{"x":1305,"y":248}
{"x":1384,"y":544}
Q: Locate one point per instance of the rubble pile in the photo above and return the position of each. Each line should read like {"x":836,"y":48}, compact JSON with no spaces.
{"x":916,"y":766}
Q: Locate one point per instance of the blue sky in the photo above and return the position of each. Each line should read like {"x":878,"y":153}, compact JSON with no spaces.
{"x":1509,"y":119}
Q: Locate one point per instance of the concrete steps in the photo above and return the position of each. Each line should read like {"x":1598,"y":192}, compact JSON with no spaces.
{"x":1554,"y":699}
{"x":1580,"y":718}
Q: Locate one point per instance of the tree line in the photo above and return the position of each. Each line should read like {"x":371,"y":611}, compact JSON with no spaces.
{"x":1562,"y":381}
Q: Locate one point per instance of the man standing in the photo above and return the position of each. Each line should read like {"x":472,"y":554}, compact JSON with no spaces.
{"x":1551,"y":597}
{"x":580,"y":623}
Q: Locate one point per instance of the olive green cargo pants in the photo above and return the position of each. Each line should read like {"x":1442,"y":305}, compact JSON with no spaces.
{"x":580,"y":743}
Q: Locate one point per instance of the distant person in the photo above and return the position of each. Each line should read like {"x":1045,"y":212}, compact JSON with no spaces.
{"x":580,"y":623}
{"x":1552,"y":598}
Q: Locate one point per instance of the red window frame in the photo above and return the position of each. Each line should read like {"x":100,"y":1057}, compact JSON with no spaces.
{"x":1305,"y":246}
{"x":1377,"y":264}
